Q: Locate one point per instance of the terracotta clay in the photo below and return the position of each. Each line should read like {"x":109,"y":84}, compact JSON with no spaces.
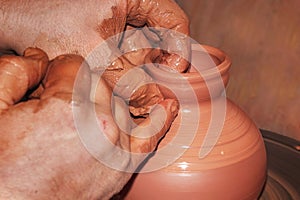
{"x":235,"y":168}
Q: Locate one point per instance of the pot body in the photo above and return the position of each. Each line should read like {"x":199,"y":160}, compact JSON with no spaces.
{"x":233,"y":165}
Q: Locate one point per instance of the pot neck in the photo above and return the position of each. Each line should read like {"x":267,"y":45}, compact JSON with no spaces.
{"x":206,"y":78}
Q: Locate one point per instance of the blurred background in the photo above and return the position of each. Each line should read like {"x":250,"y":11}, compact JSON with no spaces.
{"x":262,"y":37}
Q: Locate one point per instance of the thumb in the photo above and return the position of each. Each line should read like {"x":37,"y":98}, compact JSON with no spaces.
{"x":145,"y":137}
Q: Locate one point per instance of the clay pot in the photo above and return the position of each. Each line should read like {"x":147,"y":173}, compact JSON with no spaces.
{"x":221,"y":157}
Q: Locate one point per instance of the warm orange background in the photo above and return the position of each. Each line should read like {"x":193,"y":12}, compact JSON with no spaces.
{"x":262,"y":37}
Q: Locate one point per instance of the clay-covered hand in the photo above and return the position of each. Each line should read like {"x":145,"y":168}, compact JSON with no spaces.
{"x":44,"y":153}
{"x":20,"y":74}
{"x":60,"y":27}
{"x":85,"y":27}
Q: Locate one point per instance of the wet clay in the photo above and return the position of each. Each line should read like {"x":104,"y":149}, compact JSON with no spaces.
{"x":131,"y":83}
{"x":18,"y":74}
{"x":169,"y":16}
{"x":235,"y":168}
{"x":114,"y":25}
{"x":60,"y":78}
{"x":127,"y":77}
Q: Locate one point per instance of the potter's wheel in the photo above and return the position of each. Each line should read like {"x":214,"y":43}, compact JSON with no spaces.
{"x":283,"y":182}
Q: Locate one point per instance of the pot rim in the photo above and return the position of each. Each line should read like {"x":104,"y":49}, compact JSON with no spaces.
{"x":206,"y":74}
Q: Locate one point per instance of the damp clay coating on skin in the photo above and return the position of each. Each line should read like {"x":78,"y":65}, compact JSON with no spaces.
{"x":126,"y":74}
{"x":144,"y":95}
{"x":60,"y":78}
{"x":18,"y":74}
{"x":128,"y":79}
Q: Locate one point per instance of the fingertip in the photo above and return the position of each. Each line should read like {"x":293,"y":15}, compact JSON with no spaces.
{"x":176,"y":62}
{"x":174,"y":107}
{"x":171,"y":105}
{"x":34,"y":52}
{"x":182,"y":66}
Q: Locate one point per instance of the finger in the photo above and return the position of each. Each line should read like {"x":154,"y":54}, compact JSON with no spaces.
{"x":144,"y":98}
{"x":145,"y":137}
{"x":136,"y":46}
{"x":132,"y":84}
{"x":18,"y":74}
{"x":61,"y":76}
{"x":168,"y":15}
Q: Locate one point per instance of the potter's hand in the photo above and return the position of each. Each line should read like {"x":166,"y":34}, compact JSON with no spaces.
{"x":41,"y":155}
{"x":60,"y":27}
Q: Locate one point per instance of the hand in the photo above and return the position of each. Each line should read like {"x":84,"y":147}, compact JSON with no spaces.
{"x":78,"y":27}
{"x":61,"y":27}
{"x":41,"y":154}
